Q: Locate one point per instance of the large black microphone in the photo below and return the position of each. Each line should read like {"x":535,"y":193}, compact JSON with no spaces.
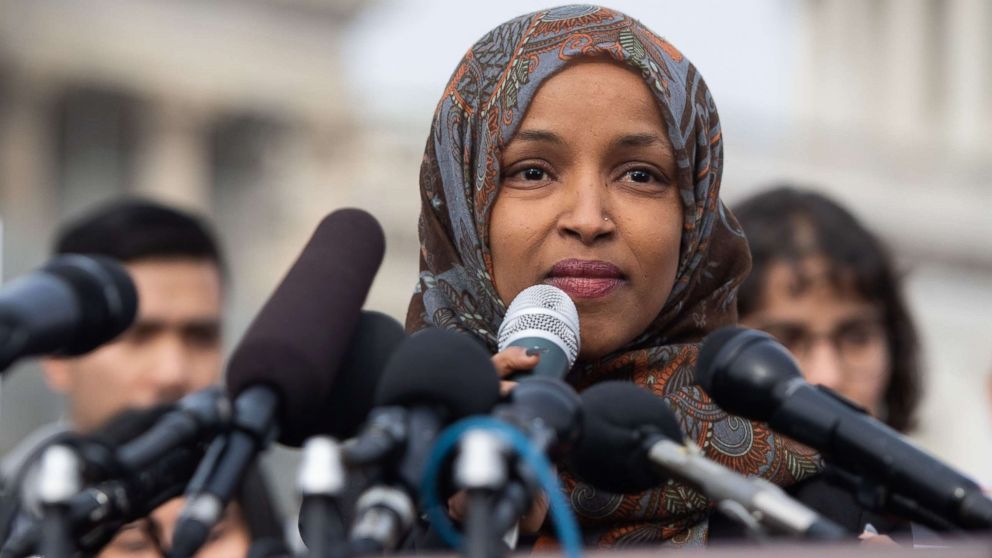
{"x":543,"y":320}
{"x":748,"y":373}
{"x":434,"y":377}
{"x":354,"y":392}
{"x":282,"y":372}
{"x":631,"y":441}
{"x":71,"y":306}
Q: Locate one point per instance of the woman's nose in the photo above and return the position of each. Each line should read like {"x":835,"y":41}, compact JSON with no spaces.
{"x":822,"y":365}
{"x":586,"y":214}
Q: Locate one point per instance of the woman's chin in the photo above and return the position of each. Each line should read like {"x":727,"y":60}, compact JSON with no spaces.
{"x":596,"y":351}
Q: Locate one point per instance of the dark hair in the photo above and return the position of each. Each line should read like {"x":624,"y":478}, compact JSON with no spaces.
{"x":788,"y":224}
{"x":135,"y":229}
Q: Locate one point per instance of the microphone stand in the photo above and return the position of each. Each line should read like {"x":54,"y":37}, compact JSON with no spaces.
{"x":251,"y":431}
{"x":59,"y":479}
{"x":321,"y":482}
{"x":384,"y":514}
{"x":481,"y":471}
{"x":764,"y":501}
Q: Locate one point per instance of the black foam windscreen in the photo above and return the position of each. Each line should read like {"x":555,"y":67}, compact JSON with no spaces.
{"x":618,"y":420}
{"x":712,"y":345}
{"x":740,"y":369}
{"x":298,"y":341}
{"x":106,"y":296}
{"x":353,"y":392}
{"x":440,"y":368}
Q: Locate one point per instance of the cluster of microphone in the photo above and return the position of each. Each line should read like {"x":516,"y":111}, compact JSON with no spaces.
{"x":420,"y":418}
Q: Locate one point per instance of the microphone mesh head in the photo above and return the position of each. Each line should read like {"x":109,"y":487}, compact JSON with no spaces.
{"x":542,"y":311}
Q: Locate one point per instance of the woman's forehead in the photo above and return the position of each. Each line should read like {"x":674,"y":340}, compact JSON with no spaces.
{"x":600,"y":102}
{"x":525,"y":70}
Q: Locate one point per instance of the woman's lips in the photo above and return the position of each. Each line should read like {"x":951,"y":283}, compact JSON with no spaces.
{"x":585,"y":278}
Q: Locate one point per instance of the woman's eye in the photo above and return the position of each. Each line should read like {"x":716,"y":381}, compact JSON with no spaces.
{"x":640,"y":175}
{"x":533,"y":173}
{"x":527,"y":177}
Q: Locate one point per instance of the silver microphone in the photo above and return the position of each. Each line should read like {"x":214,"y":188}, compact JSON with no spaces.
{"x":544,"y":320}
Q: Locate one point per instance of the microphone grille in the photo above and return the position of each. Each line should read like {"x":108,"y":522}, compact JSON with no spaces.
{"x":542,"y":311}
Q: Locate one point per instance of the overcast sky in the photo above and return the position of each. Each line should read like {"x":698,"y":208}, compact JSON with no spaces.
{"x":401,"y":52}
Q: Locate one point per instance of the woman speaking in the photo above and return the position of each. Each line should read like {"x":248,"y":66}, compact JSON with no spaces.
{"x":574,"y":147}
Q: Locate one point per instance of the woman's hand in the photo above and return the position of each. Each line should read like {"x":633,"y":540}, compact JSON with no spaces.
{"x":871,"y":537}
{"x":511,"y":360}
{"x":530,"y":522}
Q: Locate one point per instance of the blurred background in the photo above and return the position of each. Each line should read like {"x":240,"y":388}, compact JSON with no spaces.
{"x":265,"y":115}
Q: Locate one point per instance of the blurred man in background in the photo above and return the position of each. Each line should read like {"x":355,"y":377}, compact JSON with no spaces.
{"x":173,"y":348}
{"x":174,"y":345}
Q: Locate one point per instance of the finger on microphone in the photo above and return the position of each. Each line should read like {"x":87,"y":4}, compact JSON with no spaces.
{"x":532,"y":521}
{"x":514,"y":359}
{"x":506,"y":387}
{"x":457,"y":505}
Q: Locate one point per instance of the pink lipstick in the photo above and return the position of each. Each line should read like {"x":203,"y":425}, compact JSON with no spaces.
{"x":585,"y":278}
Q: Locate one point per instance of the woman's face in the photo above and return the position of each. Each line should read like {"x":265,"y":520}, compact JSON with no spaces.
{"x":836,"y":335}
{"x":588,"y":202}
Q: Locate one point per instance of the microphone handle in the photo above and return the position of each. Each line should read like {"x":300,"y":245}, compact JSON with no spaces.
{"x":145,"y":450}
{"x":254,"y":427}
{"x":756,"y":495}
{"x":199,"y":416}
{"x":202,"y":511}
{"x":865,"y":446}
{"x":57,"y":539}
{"x":553,"y":363}
{"x":322,"y":527}
{"x":512,"y":503}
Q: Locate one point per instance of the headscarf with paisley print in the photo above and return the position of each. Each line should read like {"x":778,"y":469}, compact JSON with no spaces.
{"x":482,"y":106}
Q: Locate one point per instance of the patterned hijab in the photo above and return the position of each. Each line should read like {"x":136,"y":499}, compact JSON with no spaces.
{"x":482,"y":106}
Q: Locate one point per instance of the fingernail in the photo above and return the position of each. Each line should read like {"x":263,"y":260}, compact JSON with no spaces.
{"x":534,"y":351}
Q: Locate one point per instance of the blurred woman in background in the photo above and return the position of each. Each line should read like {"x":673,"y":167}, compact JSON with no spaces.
{"x":250,"y":527}
{"x":826,"y":287}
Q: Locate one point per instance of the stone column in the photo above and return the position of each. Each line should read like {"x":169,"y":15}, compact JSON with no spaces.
{"x":907,"y":101}
{"x":969,"y":75}
{"x":27,"y":197}
{"x":173,"y":161}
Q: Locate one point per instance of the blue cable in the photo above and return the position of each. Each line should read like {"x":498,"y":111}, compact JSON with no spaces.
{"x":566,"y":528}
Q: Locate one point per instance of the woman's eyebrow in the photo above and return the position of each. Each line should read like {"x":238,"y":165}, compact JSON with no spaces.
{"x":539,"y":135}
{"x":639,"y":140}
